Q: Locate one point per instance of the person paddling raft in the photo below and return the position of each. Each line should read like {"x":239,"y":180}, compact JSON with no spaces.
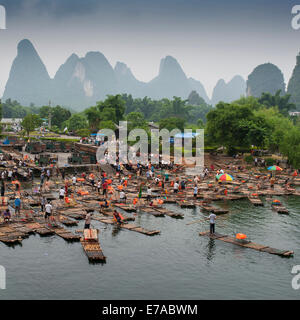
{"x":88,"y":219}
{"x":212,"y":218}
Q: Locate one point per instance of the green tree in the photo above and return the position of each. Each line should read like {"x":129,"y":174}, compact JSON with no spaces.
{"x":136,"y":120}
{"x":108,"y":124}
{"x":172,"y":123}
{"x":282,"y":102}
{"x":59,"y":115}
{"x":233,"y":125}
{"x":278,"y":126}
{"x":290,"y":146}
{"x":30,"y":122}
{"x":77,"y":122}
{"x":94,"y":117}
{"x":44,"y":112}
{"x":113,"y":108}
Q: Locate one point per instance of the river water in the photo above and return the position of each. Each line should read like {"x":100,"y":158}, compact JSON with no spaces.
{"x":178,"y":264}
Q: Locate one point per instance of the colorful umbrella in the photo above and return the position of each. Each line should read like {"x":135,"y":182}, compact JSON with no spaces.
{"x":274,"y":168}
{"x":224,"y":177}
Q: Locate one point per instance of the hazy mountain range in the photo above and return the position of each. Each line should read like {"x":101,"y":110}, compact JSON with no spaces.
{"x":81,"y":82}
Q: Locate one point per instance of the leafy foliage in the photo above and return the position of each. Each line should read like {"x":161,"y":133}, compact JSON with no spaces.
{"x":58,"y":115}
{"x":282,"y":102}
{"x":13,"y":109}
{"x":76,"y":122}
{"x":172,"y":123}
{"x":30,"y":122}
{"x":233,"y":125}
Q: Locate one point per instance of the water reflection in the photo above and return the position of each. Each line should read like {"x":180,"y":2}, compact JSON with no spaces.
{"x":115,"y":231}
{"x":211,"y":248}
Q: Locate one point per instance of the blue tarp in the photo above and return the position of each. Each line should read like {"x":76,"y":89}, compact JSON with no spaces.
{"x":186,"y":135}
{"x":97,"y":134}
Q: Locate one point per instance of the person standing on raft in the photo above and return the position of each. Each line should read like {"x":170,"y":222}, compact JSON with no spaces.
{"x":212,"y":218}
{"x":88,"y":219}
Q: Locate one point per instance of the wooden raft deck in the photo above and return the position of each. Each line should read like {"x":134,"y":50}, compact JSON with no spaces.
{"x":68,"y":222}
{"x":63,"y":233}
{"x":39,"y":229}
{"x":280,"y":209}
{"x":169,"y":213}
{"x":125,"y":207}
{"x":256,"y":201}
{"x":186,"y":204}
{"x":152,"y":211}
{"x":109,"y":212}
{"x":10,"y":236}
{"x":249,"y":244}
{"x":161,"y":212}
{"x":213,"y":209}
{"x":131,"y":227}
{"x":93,"y":250}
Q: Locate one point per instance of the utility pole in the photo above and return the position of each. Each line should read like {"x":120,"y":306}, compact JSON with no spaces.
{"x":49,"y":125}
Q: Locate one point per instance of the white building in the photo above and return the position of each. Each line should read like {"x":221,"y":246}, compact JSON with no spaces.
{"x":14,"y":124}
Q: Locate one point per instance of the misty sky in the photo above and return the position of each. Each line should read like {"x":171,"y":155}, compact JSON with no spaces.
{"x":210,"y":39}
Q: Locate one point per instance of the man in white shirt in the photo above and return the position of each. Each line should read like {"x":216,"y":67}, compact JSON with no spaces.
{"x":74,"y":180}
{"x":149,"y":193}
{"x":122,"y":196}
{"x":10,"y":173}
{"x":48,"y":209}
{"x":61,"y":193}
{"x":176,"y":186}
{"x":212,"y":218}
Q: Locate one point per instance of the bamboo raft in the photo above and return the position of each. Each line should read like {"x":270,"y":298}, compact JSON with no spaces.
{"x":39,"y":229}
{"x":9,"y":236}
{"x":213,"y":209}
{"x":108,"y":212}
{"x":68,"y":222}
{"x":169,"y":213}
{"x":152,"y":211}
{"x":63,"y":233}
{"x":170,"y":201}
{"x":186,"y":205}
{"x":131,"y":227}
{"x":255,"y":201}
{"x":125,"y":207}
{"x":75,"y":215}
{"x":248,"y":244}
{"x":280,"y":209}
{"x":91,"y":246}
